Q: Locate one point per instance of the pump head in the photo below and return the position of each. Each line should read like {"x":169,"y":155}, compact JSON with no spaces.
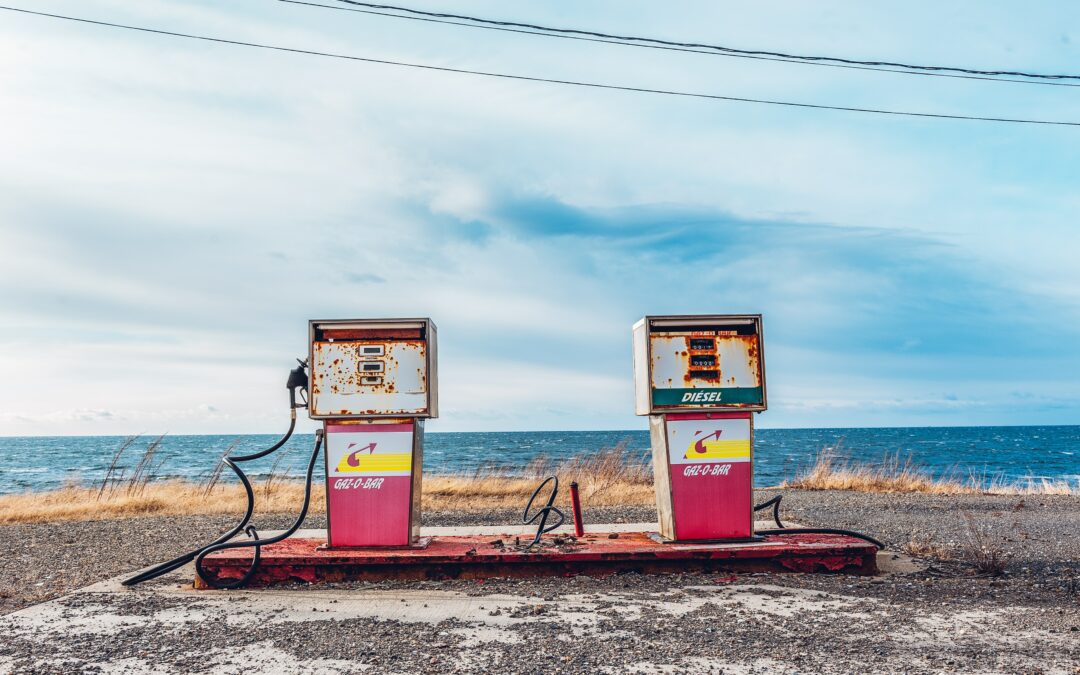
{"x":298,"y":379}
{"x":373,"y":368}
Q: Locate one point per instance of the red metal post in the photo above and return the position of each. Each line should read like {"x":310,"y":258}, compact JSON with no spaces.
{"x":575,"y":505}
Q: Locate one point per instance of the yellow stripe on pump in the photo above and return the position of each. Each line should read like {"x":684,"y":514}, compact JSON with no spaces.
{"x":719,"y":449}
{"x":356,"y":463}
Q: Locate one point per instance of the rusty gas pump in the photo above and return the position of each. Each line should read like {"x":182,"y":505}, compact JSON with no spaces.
{"x":373,"y":383}
{"x":700,"y":379}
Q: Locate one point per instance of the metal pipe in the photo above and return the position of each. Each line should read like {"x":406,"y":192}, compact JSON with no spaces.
{"x":575,"y":507}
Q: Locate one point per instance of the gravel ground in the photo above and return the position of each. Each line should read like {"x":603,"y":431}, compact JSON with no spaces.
{"x":950,"y":617}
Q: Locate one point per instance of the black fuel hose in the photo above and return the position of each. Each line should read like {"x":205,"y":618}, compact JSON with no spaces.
{"x":180,"y":561}
{"x":255,"y":542}
{"x":543,"y":512}
{"x":824,"y":530}
{"x":775,"y":503}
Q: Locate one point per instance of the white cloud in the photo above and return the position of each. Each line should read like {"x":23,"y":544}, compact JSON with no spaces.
{"x":176,"y":211}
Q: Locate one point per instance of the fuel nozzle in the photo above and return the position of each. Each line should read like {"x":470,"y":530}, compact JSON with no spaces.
{"x":297,"y":380}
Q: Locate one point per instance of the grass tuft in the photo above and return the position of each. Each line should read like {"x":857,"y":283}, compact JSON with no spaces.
{"x":923,"y":544}
{"x":980,"y":549}
{"x":609,"y":477}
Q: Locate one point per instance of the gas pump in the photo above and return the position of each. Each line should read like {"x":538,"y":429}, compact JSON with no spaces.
{"x":373,"y":383}
{"x":700,"y":379}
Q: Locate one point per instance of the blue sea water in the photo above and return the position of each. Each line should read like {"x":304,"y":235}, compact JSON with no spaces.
{"x":987,"y":453}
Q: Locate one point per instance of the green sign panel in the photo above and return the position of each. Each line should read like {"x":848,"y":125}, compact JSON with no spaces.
{"x":708,"y":397}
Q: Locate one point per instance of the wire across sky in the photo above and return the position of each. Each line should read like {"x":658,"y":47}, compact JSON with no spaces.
{"x":546,"y":80}
{"x":400,"y":12}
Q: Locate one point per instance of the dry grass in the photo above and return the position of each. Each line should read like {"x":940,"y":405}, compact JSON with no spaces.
{"x":609,"y":477}
{"x":830,"y":472}
{"x":926,"y":545}
{"x":978,"y":547}
{"x":981,"y":549}
{"x":606,"y":478}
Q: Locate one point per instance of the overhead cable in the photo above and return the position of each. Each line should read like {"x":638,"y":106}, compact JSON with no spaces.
{"x":527,"y":78}
{"x":697,"y":45}
{"x":677,"y":49}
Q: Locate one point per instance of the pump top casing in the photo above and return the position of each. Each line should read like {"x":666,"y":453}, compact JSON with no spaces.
{"x":698,"y":363}
{"x":371,"y":368}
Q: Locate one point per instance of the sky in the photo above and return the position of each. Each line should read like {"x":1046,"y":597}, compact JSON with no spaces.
{"x":173,"y":212}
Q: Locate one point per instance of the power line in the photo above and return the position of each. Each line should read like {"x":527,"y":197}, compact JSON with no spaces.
{"x":719,"y":48}
{"x":527,"y":78}
{"x":677,"y":49}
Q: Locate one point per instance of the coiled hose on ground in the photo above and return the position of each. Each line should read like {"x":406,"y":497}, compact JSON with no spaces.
{"x":543,"y":512}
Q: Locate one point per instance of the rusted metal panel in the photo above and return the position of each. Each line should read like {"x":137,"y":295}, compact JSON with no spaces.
{"x":665,"y":510}
{"x":368,"y":377}
{"x":372,"y":333}
{"x":372,"y":368}
{"x":689,"y":360}
{"x":699,"y":363}
{"x":491,"y":556}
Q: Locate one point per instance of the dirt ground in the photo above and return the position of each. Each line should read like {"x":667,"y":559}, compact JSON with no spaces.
{"x":998,"y":591}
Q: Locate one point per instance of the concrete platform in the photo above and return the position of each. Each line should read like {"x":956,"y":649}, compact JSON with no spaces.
{"x":462,"y":554}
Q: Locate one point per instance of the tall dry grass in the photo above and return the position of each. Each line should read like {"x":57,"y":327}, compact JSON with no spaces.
{"x":832,"y":472}
{"x":609,"y":477}
{"x":116,"y":471}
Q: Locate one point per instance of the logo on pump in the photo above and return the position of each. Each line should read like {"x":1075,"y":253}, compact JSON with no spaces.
{"x":366,"y":460}
{"x":351,"y":461}
{"x":710,"y":445}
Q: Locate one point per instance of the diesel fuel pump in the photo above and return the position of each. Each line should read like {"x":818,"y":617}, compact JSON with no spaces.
{"x":700,"y":379}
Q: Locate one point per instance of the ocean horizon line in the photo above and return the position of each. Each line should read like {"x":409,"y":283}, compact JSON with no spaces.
{"x":757,"y":427}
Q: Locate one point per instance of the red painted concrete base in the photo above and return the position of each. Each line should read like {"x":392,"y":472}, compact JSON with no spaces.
{"x":478,"y":557}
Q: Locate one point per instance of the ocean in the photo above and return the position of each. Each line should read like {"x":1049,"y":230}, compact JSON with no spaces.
{"x":986,"y":453}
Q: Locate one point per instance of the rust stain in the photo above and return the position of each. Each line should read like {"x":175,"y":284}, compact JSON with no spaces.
{"x":700,"y":360}
{"x":479,"y":557}
{"x":343,"y":368}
